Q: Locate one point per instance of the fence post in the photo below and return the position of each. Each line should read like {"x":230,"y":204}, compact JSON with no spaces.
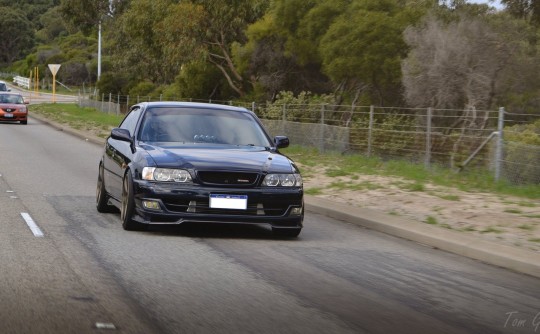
{"x":102,"y":101}
{"x":284,"y":118}
{"x":161,"y":97}
{"x":500,"y":143}
{"x":321,"y":132}
{"x":118,"y":105}
{"x":127,"y":104}
{"x":427,"y":159}
{"x":252,"y":106}
{"x":370,"y":129}
{"x":109,"y":104}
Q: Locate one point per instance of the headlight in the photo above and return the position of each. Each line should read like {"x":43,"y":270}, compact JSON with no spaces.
{"x":284,"y":180}
{"x":166,"y":175}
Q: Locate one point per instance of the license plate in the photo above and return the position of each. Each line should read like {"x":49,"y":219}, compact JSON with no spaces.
{"x":223,"y":201}
{"x":8,"y":115}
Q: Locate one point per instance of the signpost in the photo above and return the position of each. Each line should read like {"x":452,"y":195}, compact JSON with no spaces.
{"x":54,"y":69}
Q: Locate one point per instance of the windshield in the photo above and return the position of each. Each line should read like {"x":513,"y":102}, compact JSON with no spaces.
{"x":3,"y":87}
{"x":194,"y":125}
{"x":11,"y":98}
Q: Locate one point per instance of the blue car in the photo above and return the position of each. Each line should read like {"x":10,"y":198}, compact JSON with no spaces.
{"x":176,"y":162}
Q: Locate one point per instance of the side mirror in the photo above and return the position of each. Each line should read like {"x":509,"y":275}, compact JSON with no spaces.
{"x":123,"y":135}
{"x":281,"y":141}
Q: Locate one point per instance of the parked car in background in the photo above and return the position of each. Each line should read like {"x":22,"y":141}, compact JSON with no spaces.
{"x":4,"y":87}
{"x":176,"y":162}
{"x":13,"y":108}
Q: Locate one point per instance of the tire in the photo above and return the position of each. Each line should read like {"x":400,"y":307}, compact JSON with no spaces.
{"x":102,"y":198}
{"x":128,"y":205}
{"x":24,"y":122}
{"x":286,"y":232}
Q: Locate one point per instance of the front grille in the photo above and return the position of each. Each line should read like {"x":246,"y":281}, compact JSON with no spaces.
{"x":228,"y":178}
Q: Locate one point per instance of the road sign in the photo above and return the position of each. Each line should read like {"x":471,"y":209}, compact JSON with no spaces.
{"x":54,"y":68}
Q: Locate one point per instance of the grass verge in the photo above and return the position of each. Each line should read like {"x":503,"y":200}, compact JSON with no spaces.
{"x":335,"y":164}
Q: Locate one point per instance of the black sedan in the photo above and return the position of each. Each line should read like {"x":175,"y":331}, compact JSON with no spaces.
{"x":175,"y":162}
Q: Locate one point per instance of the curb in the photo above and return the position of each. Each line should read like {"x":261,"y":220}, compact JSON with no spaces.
{"x":62,"y":127}
{"x":520,"y":260}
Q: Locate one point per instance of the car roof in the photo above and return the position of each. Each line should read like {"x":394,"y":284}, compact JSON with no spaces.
{"x":193,"y":105}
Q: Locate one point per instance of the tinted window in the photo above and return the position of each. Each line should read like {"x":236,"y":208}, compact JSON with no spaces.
{"x":3,"y":87}
{"x":193,"y":125}
{"x":11,"y":98}
{"x":130,"y":122}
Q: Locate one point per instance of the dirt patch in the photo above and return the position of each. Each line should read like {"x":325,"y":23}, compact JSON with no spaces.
{"x":509,"y":220}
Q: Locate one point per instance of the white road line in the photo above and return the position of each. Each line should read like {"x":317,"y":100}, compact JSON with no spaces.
{"x":33,"y":226}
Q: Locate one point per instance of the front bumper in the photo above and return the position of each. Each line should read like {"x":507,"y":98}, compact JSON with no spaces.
{"x":13,"y":116}
{"x":278,"y":207}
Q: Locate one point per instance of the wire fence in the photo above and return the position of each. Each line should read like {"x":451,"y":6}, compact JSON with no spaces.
{"x":458,"y":139}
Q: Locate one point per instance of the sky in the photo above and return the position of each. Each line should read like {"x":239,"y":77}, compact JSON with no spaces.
{"x":496,"y":4}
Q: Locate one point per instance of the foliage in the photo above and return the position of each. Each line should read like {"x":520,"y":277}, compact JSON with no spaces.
{"x":304,"y":106}
{"x":52,"y":26}
{"x":17,"y":34}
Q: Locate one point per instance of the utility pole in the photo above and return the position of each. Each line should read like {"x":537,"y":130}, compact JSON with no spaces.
{"x":99,"y":52}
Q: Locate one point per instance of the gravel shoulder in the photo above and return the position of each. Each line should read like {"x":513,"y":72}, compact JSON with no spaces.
{"x":507,"y":220}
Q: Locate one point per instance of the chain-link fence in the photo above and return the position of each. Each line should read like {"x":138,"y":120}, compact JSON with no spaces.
{"x":458,"y":139}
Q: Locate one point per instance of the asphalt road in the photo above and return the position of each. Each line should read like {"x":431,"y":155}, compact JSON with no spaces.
{"x":85,"y":273}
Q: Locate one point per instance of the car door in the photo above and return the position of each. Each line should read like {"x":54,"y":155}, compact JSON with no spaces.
{"x":118,"y":155}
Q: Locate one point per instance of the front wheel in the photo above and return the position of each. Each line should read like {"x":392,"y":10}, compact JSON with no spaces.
{"x":128,"y":205}
{"x":286,"y":232}
{"x":102,"y":198}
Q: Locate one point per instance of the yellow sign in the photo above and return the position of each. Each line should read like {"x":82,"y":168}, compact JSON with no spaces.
{"x":54,"y":69}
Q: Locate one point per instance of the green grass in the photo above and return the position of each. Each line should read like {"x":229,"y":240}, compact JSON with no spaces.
{"x":337,"y":164}
{"x":449,"y":197}
{"x":76,"y":117}
{"x":526,"y":227}
{"x":431,"y":220}
{"x":414,"y":187}
{"x":340,"y":185}
{"x":517,"y":211}
{"x":469,"y":181}
{"x":534,"y":240}
{"x":491,"y":229}
{"x":313,"y":191}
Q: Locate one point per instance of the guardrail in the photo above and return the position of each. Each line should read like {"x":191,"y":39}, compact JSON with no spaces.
{"x":22,"y":81}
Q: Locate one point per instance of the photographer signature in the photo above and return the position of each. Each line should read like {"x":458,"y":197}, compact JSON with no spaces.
{"x":516,"y":320}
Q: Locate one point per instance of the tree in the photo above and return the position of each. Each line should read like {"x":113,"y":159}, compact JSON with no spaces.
{"x":52,"y":25}
{"x":455,"y":65}
{"x":226,"y":22}
{"x":363,"y":47}
{"x":86,"y":14}
{"x":17,"y":34}
{"x":524,"y":9}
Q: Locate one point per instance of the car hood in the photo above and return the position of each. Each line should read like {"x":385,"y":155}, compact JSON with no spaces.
{"x":227,"y":158}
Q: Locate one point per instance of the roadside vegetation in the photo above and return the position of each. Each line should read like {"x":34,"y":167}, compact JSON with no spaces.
{"x":332,"y":164}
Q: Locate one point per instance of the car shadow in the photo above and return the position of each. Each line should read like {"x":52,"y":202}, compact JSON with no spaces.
{"x":217,"y":231}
